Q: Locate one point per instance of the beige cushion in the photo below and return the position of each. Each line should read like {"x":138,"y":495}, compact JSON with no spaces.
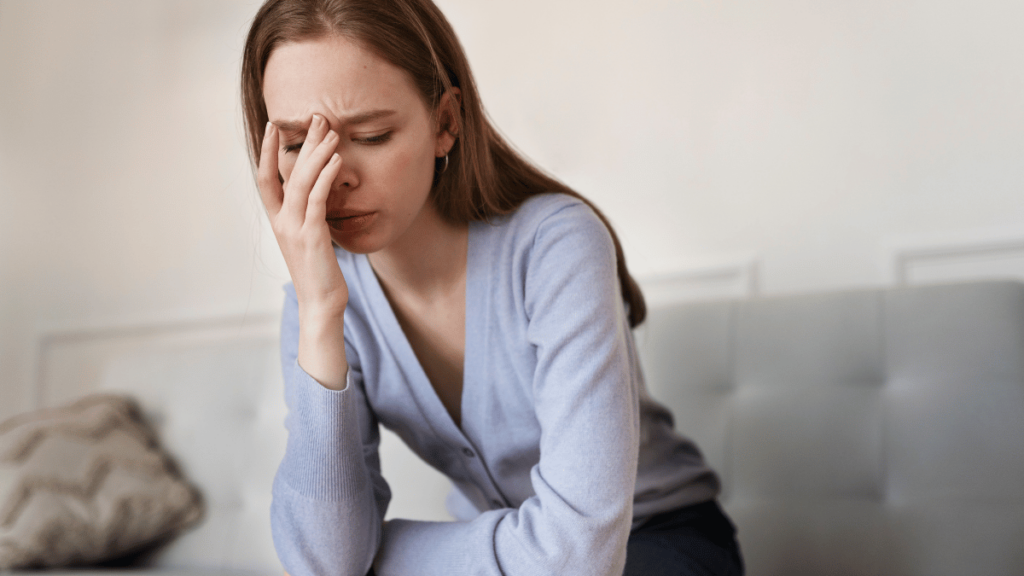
{"x":86,"y":483}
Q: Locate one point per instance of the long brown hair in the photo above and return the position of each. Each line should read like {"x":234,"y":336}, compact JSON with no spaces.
{"x":486,"y":177}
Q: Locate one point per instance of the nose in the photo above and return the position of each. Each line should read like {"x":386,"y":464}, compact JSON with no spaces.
{"x":347,"y":177}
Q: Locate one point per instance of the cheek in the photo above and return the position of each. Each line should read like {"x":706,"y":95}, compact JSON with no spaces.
{"x":411,"y":169}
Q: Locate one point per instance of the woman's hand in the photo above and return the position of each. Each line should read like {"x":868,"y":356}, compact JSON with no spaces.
{"x":298,"y":212}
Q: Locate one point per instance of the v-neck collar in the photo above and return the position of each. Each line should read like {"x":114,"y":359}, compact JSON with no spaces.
{"x":426,"y":397}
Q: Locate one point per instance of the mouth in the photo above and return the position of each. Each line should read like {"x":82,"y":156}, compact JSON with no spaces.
{"x":350,"y":221}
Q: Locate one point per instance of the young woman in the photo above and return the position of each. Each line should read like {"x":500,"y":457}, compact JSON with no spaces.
{"x":447,"y":289}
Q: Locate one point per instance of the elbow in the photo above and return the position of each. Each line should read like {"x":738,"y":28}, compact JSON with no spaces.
{"x":317,"y":539}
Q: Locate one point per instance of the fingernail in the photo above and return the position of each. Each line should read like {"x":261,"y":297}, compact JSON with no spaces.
{"x":314,"y":120}
{"x":267,"y":131}
{"x":335,"y":159}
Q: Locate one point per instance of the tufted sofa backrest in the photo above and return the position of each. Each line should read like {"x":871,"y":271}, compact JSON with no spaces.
{"x":875,"y":432}
{"x":858,"y":433}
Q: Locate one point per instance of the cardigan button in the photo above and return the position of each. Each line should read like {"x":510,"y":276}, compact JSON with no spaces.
{"x":468,"y":453}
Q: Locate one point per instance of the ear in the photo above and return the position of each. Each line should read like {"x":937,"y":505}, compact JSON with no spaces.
{"x":449,"y":112}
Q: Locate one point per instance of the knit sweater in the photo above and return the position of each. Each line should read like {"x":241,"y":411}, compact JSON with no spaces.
{"x":560,"y":450}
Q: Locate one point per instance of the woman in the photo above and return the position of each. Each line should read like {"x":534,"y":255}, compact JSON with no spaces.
{"x":448,"y":290}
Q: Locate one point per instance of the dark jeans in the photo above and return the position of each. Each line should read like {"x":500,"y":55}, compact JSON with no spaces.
{"x":690,"y":541}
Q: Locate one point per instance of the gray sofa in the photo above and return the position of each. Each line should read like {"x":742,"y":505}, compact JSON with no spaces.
{"x":871,"y":432}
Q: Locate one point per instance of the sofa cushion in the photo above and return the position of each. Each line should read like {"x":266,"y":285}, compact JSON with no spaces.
{"x":86,"y":483}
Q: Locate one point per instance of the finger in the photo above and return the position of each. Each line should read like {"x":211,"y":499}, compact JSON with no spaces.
{"x":305,"y":174}
{"x":316,"y":211}
{"x":267,"y":177}
{"x":299,"y":181}
{"x":314,"y":135}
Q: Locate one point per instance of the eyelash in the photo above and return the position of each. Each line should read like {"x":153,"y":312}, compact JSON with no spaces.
{"x":378,"y":139}
{"x":369,"y":141}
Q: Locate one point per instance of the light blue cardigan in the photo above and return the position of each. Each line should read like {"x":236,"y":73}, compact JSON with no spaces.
{"x":560,"y":451}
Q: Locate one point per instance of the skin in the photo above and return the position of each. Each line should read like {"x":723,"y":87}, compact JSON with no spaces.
{"x":355,"y":144}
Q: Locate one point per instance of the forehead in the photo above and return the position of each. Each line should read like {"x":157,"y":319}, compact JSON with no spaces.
{"x":333,"y":75}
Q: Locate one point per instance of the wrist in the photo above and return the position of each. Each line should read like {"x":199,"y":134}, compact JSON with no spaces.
{"x":319,"y":310}
{"x":322,"y":348}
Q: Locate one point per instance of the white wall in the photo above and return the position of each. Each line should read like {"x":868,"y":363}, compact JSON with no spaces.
{"x":815,"y":137}
{"x":739,"y":147}
{"x":126,"y":193}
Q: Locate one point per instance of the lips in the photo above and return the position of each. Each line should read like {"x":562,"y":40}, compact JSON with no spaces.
{"x":350,"y":220}
{"x":346,"y":213}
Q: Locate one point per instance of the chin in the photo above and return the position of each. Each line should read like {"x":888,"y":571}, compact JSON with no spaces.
{"x":358,"y":244}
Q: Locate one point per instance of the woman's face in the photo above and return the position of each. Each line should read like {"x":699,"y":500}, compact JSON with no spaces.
{"x":388,"y":137}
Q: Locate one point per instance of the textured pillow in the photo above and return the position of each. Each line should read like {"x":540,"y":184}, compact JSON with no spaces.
{"x":86,"y":483}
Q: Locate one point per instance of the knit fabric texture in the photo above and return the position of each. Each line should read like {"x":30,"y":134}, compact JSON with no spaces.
{"x":560,"y":450}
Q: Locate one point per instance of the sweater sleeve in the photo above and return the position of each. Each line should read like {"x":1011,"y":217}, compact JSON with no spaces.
{"x":578,"y":520}
{"x":329,"y":497}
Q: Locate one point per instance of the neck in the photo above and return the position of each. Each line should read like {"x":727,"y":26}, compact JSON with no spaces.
{"x":429,"y":258}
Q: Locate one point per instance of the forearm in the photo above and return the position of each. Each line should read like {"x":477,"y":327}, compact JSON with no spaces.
{"x":536,"y":538}
{"x":328,"y":500}
{"x":322,"y":345}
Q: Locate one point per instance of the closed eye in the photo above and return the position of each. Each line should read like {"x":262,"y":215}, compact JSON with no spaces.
{"x":372,"y":140}
{"x":292,"y":147}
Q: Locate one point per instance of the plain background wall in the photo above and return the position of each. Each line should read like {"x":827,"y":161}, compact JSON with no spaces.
{"x":795,"y":145}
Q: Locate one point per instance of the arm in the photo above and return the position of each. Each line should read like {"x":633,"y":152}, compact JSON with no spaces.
{"x":296,"y":203}
{"x":585,"y":401}
{"x":329,"y":497}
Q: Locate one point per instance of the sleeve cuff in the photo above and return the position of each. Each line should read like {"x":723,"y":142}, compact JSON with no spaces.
{"x":324,"y":457}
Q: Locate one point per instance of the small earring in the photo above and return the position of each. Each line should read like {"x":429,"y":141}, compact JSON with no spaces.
{"x":445,"y":167}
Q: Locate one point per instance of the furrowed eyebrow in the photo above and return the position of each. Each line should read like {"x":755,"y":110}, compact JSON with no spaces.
{"x":360,"y":118}
{"x":367,"y":117}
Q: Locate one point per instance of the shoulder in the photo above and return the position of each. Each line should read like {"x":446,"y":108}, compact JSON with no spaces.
{"x":550,"y":243}
{"x":568,"y":228}
{"x":546,"y":209}
{"x":549,"y":221}
{"x":549,"y":234}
